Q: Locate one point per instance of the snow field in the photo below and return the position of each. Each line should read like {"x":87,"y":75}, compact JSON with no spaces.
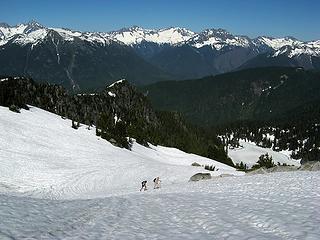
{"x":249,"y":154}
{"x":42,"y":156}
{"x":280,"y":206}
{"x":61,"y":183}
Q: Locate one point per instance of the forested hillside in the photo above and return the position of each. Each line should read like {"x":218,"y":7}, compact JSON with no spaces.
{"x":118,"y":112}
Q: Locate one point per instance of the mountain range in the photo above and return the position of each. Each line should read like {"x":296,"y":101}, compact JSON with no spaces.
{"x":90,"y":60}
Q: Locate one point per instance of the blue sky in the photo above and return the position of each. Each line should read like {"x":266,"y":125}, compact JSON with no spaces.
{"x":277,"y":18}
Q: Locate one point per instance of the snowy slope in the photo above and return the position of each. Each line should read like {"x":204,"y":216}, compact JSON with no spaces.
{"x":94,"y":37}
{"x":277,"y":43}
{"x":274,"y":206}
{"x":42,"y":156}
{"x":289,"y":46}
{"x":249,"y":154}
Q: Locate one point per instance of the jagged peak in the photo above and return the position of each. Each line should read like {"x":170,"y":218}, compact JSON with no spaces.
{"x":33,"y":26}
{"x":215,"y":31}
{"x":4,"y":25}
{"x":34,"y":23}
{"x":133,"y":28}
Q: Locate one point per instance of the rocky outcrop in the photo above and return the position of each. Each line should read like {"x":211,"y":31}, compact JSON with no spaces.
{"x":200,"y":176}
{"x":310,"y":166}
{"x":262,"y":170}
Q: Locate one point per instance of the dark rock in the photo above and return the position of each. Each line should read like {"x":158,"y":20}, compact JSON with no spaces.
{"x":200,"y":176}
{"x":14,"y":108}
{"x":195,"y":164}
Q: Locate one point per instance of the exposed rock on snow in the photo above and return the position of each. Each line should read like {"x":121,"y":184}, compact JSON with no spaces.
{"x":310,"y":166}
{"x":200,"y":176}
{"x":262,"y":170}
{"x":195,"y":164}
{"x":283,"y":169}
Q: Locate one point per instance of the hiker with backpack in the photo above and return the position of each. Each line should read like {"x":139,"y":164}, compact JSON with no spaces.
{"x":144,"y":185}
{"x":157,"y":183}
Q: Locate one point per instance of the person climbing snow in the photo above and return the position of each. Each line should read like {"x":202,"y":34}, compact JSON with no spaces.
{"x":144,"y":185}
{"x":157,"y":182}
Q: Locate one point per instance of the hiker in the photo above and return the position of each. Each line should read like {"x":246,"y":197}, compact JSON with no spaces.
{"x":144,"y":185}
{"x":157,"y":182}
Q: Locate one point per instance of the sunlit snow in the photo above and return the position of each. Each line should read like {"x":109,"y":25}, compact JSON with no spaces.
{"x":60,"y":183}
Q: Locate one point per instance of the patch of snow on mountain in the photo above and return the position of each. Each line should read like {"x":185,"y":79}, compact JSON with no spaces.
{"x":119,"y":81}
{"x":67,"y":34}
{"x":136,"y":35}
{"x":9,"y":31}
{"x":249,"y":154}
{"x":32,"y":37}
{"x":103,"y":39}
{"x":111,"y":94}
{"x":277,"y":43}
{"x":218,"y":38}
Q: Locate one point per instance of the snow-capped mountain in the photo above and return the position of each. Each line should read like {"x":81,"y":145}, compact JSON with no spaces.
{"x":74,"y":59}
{"x":33,"y":33}
{"x":187,"y":54}
{"x":136,"y":35}
{"x":289,"y":46}
{"x":218,"y":38}
{"x":276,"y":43}
{"x":215,"y":38}
{"x":91,"y":59}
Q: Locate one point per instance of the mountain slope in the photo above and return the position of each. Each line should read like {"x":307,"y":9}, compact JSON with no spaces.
{"x":78,"y":164}
{"x":119,"y":112}
{"x":136,"y":35}
{"x":79,"y":61}
{"x":253,"y":94}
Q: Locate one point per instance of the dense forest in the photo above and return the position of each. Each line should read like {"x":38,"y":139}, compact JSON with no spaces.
{"x":260,"y":94}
